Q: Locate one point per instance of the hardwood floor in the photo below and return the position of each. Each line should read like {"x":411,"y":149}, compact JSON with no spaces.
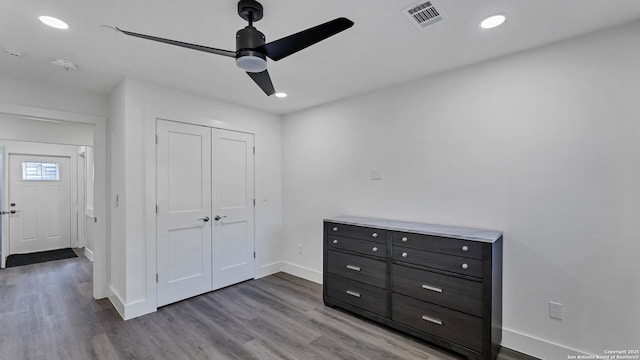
{"x":47,"y":312}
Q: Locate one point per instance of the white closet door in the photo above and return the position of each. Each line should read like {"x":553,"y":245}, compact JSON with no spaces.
{"x":184,"y":211}
{"x":233,"y":207}
{"x":39,"y":193}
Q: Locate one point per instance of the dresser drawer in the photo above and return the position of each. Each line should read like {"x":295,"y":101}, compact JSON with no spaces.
{"x":369,"y":271}
{"x":471,"y":249}
{"x":364,"y":296}
{"x":359,"y":246}
{"x":357,"y":232}
{"x":465,"y":266}
{"x":448,"y":291}
{"x":463,"y":329}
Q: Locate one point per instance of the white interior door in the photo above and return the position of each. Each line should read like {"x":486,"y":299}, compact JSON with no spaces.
{"x":233,"y":204}
{"x":184,"y":209}
{"x":39,"y":193}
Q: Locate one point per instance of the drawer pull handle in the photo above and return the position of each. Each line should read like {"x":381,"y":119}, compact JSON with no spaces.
{"x":375,"y":249}
{"x":335,"y":228}
{"x":405,"y":254}
{"x":375,"y":235}
{"x":404,"y":239}
{"x":353,"y":293}
{"x":335,"y":241}
{"x":465,"y":248}
{"x":431,"y":320}
{"x":431,"y":288}
{"x":465,"y":266}
{"x":353,"y":267}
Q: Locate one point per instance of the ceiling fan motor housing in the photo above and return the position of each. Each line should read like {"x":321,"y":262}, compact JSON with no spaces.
{"x":250,"y":60}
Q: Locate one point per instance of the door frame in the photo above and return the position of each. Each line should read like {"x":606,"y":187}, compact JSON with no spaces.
{"x":150,"y":132}
{"x":81,"y":196}
{"x":99,"y":123}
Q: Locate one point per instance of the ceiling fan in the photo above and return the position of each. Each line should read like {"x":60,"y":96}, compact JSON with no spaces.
{"x":252,"y":51}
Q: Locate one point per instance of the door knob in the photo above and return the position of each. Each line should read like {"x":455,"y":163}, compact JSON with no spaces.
{"x":218,"y":218}
{"x":205,"y":219}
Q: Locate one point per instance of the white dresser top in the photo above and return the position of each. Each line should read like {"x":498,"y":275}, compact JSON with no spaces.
{"x":456,"y":232}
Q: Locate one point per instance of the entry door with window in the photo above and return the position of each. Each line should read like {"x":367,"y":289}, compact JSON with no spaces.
{"x":40,"y":202}
{"x":205,"y":209}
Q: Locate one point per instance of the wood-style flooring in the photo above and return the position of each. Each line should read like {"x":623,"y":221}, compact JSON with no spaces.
{"x":47,"y":312}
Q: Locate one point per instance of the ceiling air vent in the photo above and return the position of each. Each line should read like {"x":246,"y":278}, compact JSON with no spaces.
{"x":424,"y":13}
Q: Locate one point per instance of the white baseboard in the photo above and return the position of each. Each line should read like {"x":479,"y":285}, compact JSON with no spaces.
{"x":88,"y":254}
{"x":117,"y":301}
{"x":303,"y":272}
{"x":289,"y":268}
{"x":268,"y":269}
{"x":139,"y":308}
{"x":130,"y":311}
{"x":537,"y":347}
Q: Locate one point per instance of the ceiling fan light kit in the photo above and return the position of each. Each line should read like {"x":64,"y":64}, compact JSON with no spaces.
{"x":251,"y":50}
{"x":252,"y":63}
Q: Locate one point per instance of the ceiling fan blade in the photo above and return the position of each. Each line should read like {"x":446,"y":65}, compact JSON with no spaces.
{"x":264,"y":81}
{"x":291,"y":44}
{"x":182,"y":44}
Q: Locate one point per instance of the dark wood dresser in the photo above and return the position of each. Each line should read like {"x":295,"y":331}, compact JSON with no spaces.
{"x":442,"y":284}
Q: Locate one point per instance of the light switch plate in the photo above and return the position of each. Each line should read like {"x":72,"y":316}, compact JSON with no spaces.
{"x":376,"y":174}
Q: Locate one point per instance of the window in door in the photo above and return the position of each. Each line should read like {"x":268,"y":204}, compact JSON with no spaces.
{"x":40,"y":171}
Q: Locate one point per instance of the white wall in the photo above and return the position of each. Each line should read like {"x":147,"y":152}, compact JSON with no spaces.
{"x":142,"y":103}
{"x":542,"y":145}
{"x":51,"y":96}
{"x":117,"y":158}
{"x":13,"y":128}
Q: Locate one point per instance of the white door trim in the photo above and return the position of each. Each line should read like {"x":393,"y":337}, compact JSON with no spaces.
{"x":100,"y":272}
{"x":81,"y":190}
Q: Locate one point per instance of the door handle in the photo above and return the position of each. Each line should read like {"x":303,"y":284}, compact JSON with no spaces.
{"x":218,"y":218}
{"x":8,"y":212}
{"x":205,"y":219}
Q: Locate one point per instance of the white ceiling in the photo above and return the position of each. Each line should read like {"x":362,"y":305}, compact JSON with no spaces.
{"x":383,"y":48}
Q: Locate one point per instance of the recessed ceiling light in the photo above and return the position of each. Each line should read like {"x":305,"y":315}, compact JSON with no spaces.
{"x":53,"y":22}
{"x":281,"y":95}
{"x":492,"y":21}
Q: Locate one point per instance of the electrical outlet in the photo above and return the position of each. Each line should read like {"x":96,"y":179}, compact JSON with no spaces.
{"x":555,"y":310}
{"x":299,"y":249}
